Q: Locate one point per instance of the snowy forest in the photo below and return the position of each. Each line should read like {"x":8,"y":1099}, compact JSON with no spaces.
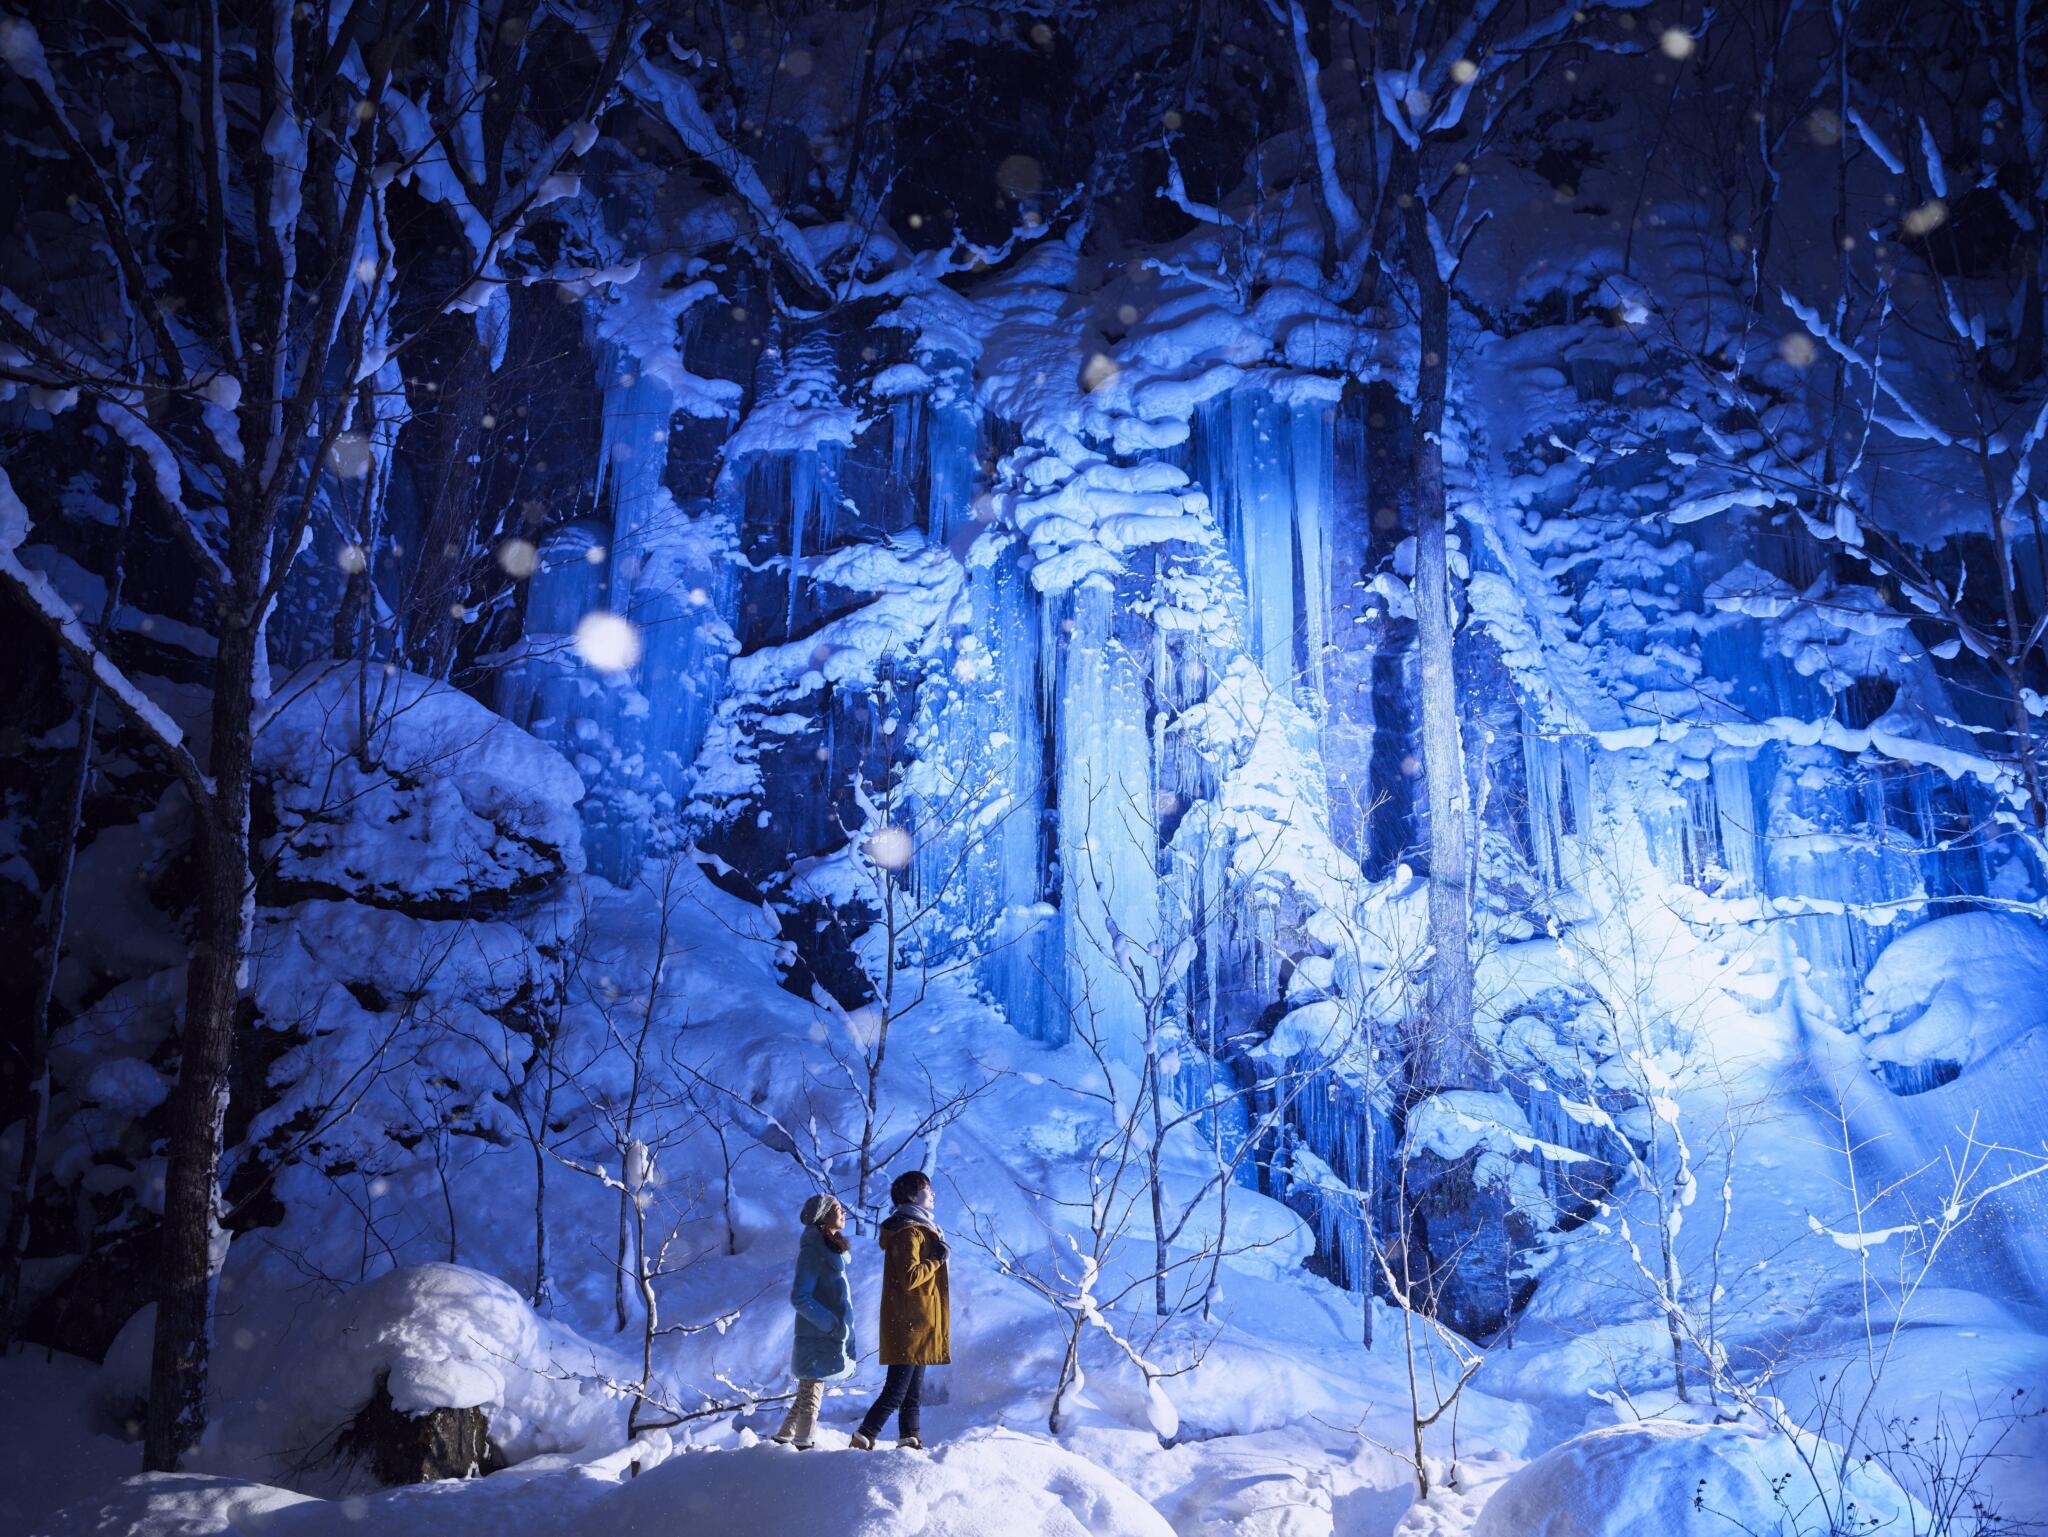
{"x":1372,"y":673}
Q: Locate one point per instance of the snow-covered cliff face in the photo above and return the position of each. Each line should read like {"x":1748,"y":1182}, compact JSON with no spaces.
{"x":1025,"y":614}
{"x":1077,"y":602}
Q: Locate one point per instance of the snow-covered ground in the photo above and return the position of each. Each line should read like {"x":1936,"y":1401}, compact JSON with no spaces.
{"x":1060,"y":591}
{"x":1280,"y":1422}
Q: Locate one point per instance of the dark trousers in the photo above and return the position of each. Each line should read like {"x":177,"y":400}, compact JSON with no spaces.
{"x":901,"y":1391}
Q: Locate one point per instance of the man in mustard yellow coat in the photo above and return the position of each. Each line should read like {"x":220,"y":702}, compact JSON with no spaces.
{"x":917,"y":1312}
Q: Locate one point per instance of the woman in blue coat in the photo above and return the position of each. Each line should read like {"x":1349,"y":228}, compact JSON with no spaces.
{"x":824,"y":1349}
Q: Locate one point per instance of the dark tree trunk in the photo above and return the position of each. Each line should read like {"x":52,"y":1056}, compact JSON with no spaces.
{"x":448,"y":535}
{"x":220,"y":945}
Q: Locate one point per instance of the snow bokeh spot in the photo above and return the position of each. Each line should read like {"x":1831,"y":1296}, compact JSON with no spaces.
{"x":608,"y":642}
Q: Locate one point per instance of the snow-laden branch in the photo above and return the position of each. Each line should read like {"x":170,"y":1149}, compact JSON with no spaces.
{"x":1176,"y":192}
{"x":127,"y":423}
{"x":674,"y":100}
{"x":1916,"y":425}
{"x":1347,"y":228}
{"x":22,"y":50}
{"x":48,"y":607}
{"x":40,"y":356}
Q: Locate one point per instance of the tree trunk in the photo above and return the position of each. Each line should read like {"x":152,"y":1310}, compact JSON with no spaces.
{"x":220,"y":946}
{"x":446,"y":544}
{"x":1447,"y":1056}
{"x":1155,"y":1154}
{"x":1670,"y":1261}
{"x":542,"y":1295}
{"x":1070,"y":1370}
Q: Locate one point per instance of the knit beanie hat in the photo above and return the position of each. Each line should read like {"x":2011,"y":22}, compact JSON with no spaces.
{"x":818,"y":1208}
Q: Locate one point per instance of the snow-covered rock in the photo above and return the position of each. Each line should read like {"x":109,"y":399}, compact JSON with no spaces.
{"x":441,"y":1337}
{"x":1951,"y":992}
{"x":1676,"y":1479}
{"x":440,"y":803}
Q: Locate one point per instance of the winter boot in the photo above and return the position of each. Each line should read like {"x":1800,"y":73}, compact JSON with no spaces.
{"x":801,"y":1424}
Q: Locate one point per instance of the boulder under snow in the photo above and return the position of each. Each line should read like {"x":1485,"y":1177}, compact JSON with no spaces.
{"x":439,"y":803}
{"x":1679,"y":1479}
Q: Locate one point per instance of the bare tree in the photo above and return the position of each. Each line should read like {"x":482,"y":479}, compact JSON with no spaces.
{"x":1084,"y":1273}
{"x":1391,"y":169}
{"x":1439,"y":1363}
{"x":644,"y":1128}
{"x":56,"y":907}
{"x":1898,"y":1224}
{"x":911,"y":820}
{"x":229,"y":409}
{"x":1634,"y":1070}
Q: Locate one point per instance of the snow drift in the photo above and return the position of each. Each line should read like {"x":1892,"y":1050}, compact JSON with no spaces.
{"x":991,"y":1484}
{"x":1676,"y":1479}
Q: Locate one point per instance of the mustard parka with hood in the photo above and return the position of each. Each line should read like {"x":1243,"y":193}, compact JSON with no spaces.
{"x":917,"y":1307}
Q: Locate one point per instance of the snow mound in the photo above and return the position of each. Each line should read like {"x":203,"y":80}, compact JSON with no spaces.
{"x":990,"y":1484}
{"x":1677,"y":1479}
{"x":1951,"y":992}
{"x":183,"y":1505}
{"x":442,"y":1337}
{"x":442,"y":802}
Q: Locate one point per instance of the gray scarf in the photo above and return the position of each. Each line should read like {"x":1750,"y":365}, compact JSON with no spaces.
{"x":911,"y":1212}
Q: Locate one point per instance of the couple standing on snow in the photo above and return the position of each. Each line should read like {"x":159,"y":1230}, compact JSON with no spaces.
{"x":916,"y":1313}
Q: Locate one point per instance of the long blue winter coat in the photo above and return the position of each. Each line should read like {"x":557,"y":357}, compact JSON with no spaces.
{"x":824,"y":1347}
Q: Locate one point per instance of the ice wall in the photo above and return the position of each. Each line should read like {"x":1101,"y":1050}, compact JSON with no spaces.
{"x":1267,"y":467}
{"x":1081,"y":756}
{"x":1108,"y":846}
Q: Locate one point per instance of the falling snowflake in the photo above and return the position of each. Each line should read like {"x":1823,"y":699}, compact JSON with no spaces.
{"x":607,"y":641}
{"x":864,"y":1025}
{"x":1677,"y":43}
{"x":352,"y":559}
{"x":349,"y":456}
{"x":888,"y":846}
{"x":1927,"y":218}
{"x":1019,"y":176}
{"x":518,"y":558}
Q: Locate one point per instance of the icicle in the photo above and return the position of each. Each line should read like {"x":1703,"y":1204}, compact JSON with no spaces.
{"x":1108,"y":849}
{"x":1311,"y":459}
{"x":1242,"y":461}
{"x":951,"y":435}
{"x":1545,"y":779}
{"x":1735,"y":804}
